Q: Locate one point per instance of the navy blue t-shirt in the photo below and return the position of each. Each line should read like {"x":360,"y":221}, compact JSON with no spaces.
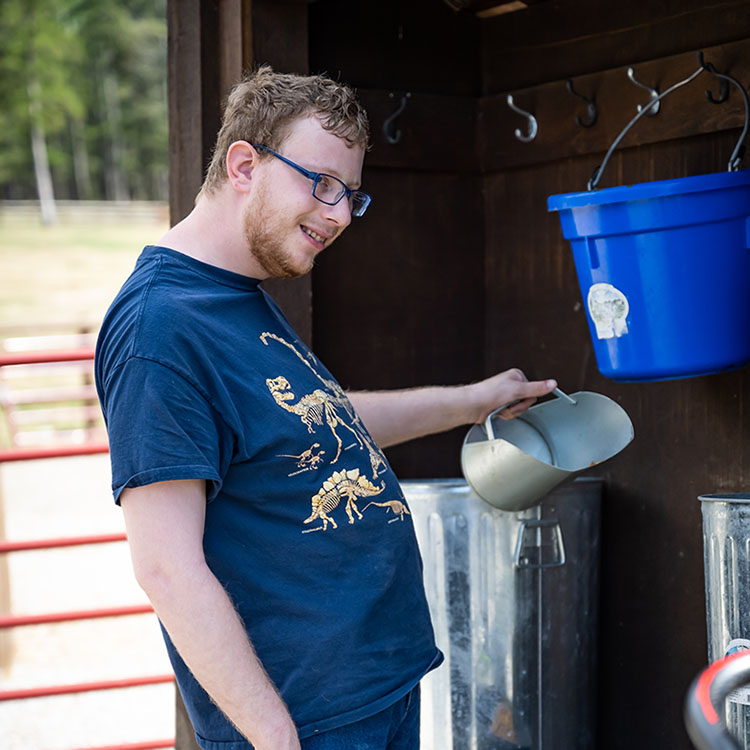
{"x":201,"y":377}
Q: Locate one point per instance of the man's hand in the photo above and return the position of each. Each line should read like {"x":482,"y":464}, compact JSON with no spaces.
{"x":509,"y":387}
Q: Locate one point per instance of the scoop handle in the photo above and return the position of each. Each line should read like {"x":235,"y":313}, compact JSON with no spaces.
{"x":557,"y":392}
{"x":488,"y":422}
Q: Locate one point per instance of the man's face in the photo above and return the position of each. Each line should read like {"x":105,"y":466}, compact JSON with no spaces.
{"x":285,"y":226}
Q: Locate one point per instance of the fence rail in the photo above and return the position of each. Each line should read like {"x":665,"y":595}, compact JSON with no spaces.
{"x":87,"y":211}
{"x":72,"y":541}
{"x":17,"y":621}
{"x":152,"y":745}
{"x":83,"y":687}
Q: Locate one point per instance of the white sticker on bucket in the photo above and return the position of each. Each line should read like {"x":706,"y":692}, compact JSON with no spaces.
{"x":740,"y":695}
{"x":608,"y":308}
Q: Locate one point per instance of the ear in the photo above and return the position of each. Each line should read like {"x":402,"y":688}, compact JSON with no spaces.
{"x":241,"y":159}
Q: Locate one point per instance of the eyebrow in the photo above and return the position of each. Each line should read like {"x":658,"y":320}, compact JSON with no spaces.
{"x":320,"y":170}
{"x":338,"y":176}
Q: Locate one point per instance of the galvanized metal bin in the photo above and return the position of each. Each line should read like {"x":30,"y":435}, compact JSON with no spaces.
{"x":726,"y":546}
{"x":513,"y":598}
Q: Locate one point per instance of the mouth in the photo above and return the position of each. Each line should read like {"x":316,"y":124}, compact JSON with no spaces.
{"x":318,"y":240}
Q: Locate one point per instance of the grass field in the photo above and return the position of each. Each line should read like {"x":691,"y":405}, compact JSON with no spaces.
{"x":60,"y":280}
{"x":68,"y":274}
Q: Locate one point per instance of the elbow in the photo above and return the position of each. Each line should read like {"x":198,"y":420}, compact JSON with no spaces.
{"x":163,"y":578}
{"x":151,"y":576}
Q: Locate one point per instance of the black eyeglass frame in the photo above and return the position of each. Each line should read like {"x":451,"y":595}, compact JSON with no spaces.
{"x":358,"y":200}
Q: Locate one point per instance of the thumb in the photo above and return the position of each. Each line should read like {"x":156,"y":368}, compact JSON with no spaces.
{"x":535,"y":388}
{"x":528,"y":393}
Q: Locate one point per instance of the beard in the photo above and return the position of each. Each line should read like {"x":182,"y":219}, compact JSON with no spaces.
{"x":264,"y":234}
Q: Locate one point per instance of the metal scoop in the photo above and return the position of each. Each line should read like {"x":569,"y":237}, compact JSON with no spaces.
{"x":513,"y":463}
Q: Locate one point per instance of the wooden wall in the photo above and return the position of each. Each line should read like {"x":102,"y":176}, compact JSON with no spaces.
{"x":691,"y":435}
{"x":459,"y":271}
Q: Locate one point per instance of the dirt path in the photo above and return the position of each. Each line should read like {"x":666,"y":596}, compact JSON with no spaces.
{"x":70,"y":497}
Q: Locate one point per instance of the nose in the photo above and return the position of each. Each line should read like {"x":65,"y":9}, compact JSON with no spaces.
{"x":339,"y":214}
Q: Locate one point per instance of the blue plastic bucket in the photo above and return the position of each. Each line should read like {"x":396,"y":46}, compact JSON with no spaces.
{"x":664,"y":269}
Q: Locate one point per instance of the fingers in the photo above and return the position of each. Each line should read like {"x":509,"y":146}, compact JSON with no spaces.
{"x":511,"y":412}
{"x":513,"y":388}
{"x":536,"y":388}
{"x":528,"y":392}
{"x":519,"y":388}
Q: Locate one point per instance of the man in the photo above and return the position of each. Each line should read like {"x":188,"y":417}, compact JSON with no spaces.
{"x":260,"y":511}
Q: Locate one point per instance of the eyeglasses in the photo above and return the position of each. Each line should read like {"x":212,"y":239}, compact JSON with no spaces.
{"x":327,"y":188}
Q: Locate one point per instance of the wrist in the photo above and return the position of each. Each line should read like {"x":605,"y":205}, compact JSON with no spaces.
{"x":471,"y":404}
{"x":281,"y":735}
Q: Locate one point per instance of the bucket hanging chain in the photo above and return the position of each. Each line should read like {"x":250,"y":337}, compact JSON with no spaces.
{"x":739,"y":149}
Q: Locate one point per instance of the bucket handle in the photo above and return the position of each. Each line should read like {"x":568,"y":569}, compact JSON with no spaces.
{"x":739,"y":149}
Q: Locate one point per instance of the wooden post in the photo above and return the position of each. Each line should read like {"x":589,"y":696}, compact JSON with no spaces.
{"x":6,"y":636}
{"x":184,"y":734}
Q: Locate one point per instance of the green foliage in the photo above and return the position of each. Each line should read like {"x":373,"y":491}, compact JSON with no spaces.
{"x":92,"y":74}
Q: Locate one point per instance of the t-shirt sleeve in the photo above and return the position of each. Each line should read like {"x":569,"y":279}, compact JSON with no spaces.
{"x":161,"y":428}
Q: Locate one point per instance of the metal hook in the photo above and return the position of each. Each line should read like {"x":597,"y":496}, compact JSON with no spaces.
{"x":723,"y":93}
{"x":392,"y":135}
{"x":739,"y":150}
{"x":590,"y":106}
{"x":653,"y":93}
{"x":533,"y":127}
{"x":723,"y":83}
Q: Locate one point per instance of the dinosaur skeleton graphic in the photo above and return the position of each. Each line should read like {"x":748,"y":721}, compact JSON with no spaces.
{"x":396,"y":506}
{"x":341,"y":485}
{"x":308,"y":459}
{"x":316,"y":408}
{"x":322,"y":407}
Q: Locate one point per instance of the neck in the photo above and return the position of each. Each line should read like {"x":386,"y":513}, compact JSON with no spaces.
{"x":213,"y":233}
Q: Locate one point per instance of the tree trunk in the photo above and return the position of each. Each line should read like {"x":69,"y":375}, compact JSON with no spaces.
{"x":39,"y":152}
{"x":81,"y":171}
{"x":115,"y":182}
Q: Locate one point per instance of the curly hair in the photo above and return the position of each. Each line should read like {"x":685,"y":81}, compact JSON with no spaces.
{"x":265,"y":104}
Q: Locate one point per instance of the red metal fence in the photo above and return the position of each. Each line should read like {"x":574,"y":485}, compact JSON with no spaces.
{"x":7,"y":547}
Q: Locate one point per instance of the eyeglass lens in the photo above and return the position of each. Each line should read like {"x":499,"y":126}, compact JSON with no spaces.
{"x":331,"y":190}
{"x":328,"y":189}
{"x":359,"y":203}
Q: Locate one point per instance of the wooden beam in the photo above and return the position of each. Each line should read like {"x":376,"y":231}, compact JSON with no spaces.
{"x":550,"y":41}
{"x":184,"y":94}
{"x":467,"y":135}
{"x":231,"y":33}
{"x":685,"y":112}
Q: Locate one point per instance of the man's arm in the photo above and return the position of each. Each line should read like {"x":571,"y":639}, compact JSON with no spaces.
{"x":394,"y":417}
{"x":165,"y":523}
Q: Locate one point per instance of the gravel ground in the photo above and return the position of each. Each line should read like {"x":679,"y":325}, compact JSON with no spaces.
{"x":70,"y":497}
